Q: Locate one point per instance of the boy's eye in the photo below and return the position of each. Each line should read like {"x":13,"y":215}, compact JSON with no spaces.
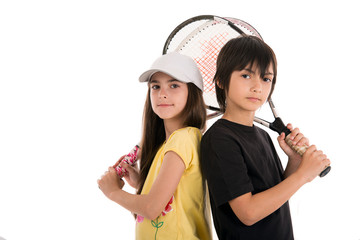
{"x":267,"y":79}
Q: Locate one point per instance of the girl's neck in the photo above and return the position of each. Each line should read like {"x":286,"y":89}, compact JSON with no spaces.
{"x":171,"y":126}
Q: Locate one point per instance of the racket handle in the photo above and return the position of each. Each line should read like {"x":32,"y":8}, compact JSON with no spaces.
{"x":301,"y":150}
{"x":130,"y":158}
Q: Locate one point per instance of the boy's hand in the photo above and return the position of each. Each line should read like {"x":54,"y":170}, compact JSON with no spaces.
{"x":297,"y":139}
{"x":313,"y":163}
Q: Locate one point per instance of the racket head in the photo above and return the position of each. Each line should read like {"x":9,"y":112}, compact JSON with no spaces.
{"x":202,"y":38}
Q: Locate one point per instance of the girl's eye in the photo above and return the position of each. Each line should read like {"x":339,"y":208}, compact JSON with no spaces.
{"x":245,"y":76}
{"x":154,"y":87}
{"x":174,"y":85}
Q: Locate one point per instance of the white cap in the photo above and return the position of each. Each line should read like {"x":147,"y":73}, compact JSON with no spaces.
{"x":178,"y":66}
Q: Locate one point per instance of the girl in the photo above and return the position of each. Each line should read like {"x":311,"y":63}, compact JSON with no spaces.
{"x":249,"y":191}
{"x":170,"y":202}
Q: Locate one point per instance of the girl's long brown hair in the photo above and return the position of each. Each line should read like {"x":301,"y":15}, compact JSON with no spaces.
{"x":154,"y":132}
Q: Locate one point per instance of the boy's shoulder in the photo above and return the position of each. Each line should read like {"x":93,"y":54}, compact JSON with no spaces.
{"x":224,"y":128}
{"x":220,"y":125}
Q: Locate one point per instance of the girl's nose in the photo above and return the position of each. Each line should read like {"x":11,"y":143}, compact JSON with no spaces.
{"x":163,"y":93}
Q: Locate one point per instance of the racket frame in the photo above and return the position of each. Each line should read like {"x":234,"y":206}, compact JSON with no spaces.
{"x":277,"y":125}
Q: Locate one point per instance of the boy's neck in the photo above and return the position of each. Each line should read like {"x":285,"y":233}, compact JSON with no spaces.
{"x":243,"y":118}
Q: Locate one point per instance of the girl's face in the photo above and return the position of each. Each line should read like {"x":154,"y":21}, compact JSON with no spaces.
{"x":247,"y":90}
{"x":168,"y":96}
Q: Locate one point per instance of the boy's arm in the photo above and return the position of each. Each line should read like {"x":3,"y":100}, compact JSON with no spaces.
{"x":252,"y":208}
{"x":292,"y":165}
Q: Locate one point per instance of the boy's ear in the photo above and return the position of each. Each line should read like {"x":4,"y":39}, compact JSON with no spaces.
{"x":218,"y":84}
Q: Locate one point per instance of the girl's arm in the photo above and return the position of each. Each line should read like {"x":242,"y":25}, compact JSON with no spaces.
{"x":252,"y":208}
{"x":152,"y":204}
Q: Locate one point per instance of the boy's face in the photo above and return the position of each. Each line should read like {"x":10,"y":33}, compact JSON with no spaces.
{"x":247,"y":90}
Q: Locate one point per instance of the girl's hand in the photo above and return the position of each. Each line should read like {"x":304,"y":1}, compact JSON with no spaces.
{"x":110,"y":182}
{"x":132,"y":175}
{"x":119,"y":161}
{"x":297,"y":138}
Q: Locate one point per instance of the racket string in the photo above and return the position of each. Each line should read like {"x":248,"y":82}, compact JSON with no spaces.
{"x":207,"y":60}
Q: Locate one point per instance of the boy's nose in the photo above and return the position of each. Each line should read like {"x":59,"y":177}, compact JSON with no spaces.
{"x":256,"y":85}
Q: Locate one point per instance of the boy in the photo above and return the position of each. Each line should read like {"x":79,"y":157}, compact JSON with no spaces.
{"x":249,"y":190}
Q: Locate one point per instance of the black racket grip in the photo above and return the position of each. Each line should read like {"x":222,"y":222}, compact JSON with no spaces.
{"x":280,"y":127}
{"x":325,"y":171}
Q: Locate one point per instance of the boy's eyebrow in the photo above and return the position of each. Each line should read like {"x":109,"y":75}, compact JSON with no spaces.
{"x":252,"y":72}
{"x":249,"y":70}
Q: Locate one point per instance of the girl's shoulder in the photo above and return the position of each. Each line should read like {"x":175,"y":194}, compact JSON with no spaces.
{"x":185,"y":142}
{"x":186,"y":131}
{"x":186,"y":134}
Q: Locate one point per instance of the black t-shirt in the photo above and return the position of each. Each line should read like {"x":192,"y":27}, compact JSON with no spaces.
{"x":237,"y":159}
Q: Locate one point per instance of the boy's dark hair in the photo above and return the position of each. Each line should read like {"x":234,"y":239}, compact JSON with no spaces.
{"x":236,"y":55}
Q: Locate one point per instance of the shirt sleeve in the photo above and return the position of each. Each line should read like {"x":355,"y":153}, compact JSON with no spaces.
{"x":185,"y":143}
{"x":224,"y":167}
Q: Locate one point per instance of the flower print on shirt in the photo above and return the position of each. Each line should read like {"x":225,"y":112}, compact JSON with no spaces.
{"x":156,"y":224}
{"x":139,"y":218}
{"x":168,"y":208}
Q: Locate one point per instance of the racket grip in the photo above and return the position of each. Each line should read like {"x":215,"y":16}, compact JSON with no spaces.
{"x":301,"y":150}
{"x":130,"y":158}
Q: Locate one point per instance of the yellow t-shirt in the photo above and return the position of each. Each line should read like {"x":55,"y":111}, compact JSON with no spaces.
{"x":187,"y":214}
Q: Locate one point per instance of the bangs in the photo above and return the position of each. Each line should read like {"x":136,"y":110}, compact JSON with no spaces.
{"x":255,"y":55}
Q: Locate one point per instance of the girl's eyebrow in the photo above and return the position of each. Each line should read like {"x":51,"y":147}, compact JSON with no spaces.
{"x":173,"y":80}
{"x":170,"y":80}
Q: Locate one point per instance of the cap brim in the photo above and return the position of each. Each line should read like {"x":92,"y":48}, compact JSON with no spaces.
{"x":145,"y":77}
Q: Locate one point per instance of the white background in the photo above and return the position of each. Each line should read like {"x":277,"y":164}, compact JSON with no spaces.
{"x":70,"y":105}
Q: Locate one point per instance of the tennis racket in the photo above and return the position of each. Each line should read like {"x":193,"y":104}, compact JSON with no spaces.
{"x":202,"y":38}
